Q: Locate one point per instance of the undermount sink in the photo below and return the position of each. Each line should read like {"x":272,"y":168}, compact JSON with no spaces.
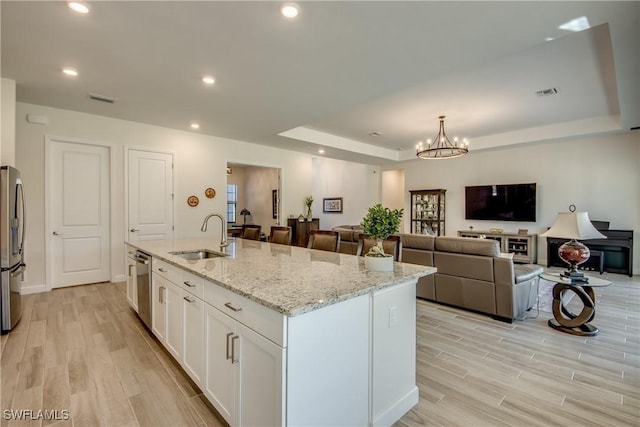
{"x":198,"y":254}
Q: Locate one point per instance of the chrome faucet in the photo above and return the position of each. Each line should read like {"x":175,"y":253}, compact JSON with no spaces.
{"x":223,"y":239}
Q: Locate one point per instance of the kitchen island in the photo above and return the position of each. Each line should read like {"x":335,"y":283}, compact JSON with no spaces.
{"x":283,"y":335}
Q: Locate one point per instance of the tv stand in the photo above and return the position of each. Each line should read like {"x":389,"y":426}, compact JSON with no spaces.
{"x":524,"y":247}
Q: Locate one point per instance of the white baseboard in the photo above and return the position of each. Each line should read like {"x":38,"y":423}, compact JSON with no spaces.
{"x":33,"y":289}
{"x":118,"y":278}
{"x":398,"y":409}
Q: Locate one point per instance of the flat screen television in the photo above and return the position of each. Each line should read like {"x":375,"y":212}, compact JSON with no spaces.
{"x":512,"y":202}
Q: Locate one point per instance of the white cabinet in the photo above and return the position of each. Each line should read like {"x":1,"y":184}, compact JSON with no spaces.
{"x":219,"y":385}
{"x":167,"y":322}
{"x":349,"y":363}
{"x":132,"y":282}
{"x":175,"y":325}
{"x":178,"y":316}
{"x":259,"y":379}
{"x":194,"y":338}
{"x":159,"y":306}
{"x":244,"y":372}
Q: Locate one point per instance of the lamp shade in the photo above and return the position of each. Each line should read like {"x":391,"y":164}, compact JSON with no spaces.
{"x":245,"y":211}
{"x":573,"y":225}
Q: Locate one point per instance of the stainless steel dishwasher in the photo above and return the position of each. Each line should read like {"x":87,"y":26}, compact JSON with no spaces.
{"x":143,"y":282}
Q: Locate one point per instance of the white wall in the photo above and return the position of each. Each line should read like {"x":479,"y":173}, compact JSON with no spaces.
{"x":7,"y":122}
{"x":599,"y":174}
{"x":392,"y":192}
{"x":200,"y":162}
{"x":357,"y":184}
{"x":260,"y":182}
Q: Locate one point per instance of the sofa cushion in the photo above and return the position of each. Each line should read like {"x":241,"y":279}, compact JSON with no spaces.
{"x":464,"y":266}
{"x":418,"y":241}
{"x":468,"y":245}
{"x":524,"y":272}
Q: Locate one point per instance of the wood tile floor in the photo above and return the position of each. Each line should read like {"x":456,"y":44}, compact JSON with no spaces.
{"x":84,"y":351}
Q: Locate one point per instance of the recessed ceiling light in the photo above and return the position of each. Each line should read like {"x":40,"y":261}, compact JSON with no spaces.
{"x":577,"y":24}
{"x":70,"y":72}
{"x":195,"y":125}
{"x":78,"y":7}
{"x":289,"y":10}
{"x":321,"y":151}
{"x":208,"y":80}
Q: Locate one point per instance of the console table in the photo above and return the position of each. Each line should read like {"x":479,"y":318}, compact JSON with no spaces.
{"x":300,"y":230}
{"x":522,"y":246}
{"x":616,"y":252}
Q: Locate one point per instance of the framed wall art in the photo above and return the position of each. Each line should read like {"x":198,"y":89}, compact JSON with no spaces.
{"x":332,"y":205}
{"x":274,"y":203}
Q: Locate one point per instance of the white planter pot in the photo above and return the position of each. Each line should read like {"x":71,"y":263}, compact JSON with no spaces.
{"x":373,"y":263}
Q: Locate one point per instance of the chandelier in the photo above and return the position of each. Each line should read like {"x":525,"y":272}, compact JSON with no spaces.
{"x":441,"y":147}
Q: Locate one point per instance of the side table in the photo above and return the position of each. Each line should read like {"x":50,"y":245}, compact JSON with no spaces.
{"x":564,"y":319}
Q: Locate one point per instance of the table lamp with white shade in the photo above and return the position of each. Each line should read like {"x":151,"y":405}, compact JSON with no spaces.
{"x":573,"y":226}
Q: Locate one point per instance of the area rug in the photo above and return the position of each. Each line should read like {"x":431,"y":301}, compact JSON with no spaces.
{"x":545,"y":295}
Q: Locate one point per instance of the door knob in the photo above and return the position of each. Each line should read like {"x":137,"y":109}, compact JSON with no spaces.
{"x":133,"y":230}
{"x":55,"y":233}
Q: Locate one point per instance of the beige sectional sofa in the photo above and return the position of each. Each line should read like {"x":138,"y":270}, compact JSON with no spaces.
{"x":472,"y":273}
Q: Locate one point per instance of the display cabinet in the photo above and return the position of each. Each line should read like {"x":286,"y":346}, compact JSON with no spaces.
{"x":428,"y":212}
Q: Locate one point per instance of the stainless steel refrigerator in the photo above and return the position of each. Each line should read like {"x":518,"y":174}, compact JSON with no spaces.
{"x":12,"y":230}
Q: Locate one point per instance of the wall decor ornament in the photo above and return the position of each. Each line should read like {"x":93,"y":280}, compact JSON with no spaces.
{"x":193,"y":201}
{"x":332,"y":205}
{"x":210,"y":193}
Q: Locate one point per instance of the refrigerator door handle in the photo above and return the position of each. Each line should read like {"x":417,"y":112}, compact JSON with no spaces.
{"x":19,"y":271}
{"x":24,"y":221}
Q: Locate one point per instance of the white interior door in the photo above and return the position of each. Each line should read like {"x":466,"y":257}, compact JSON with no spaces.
{"x":79,"y":218}
{"x":150,"y":195}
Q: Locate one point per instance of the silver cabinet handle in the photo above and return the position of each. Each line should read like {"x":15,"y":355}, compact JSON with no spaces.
{"x":188,"y":299}
{"x":228,"y":305}
{"x":229,"y":335}
{"x":162,"y":270}
{"x":189,"y":284}
{"x":133,"y":230}
{"x":55,"y":233}
{"x":130,"y":273}
{"x":233,"y":349}
{"x":161,"y":294}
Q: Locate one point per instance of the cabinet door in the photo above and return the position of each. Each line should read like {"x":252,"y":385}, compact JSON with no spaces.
{"x":193,"y":330}
{"x":174,"y":334}
{"x":159,"y":306}
{"x":219,"y":377}
{"x":132,"y":285}
{"x":259,"y":377}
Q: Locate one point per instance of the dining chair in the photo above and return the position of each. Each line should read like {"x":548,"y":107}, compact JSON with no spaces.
{"x":280,"y":235}
{"x":251,"y":232}
{"x":392,"y":246}
{"x":324,"y":240}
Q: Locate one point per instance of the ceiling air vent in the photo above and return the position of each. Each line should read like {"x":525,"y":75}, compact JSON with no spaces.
{"x":102,"y":98}
{"x":547,"y":92}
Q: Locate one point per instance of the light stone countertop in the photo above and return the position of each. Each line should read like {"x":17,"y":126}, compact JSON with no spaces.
{"x":289,"y":279}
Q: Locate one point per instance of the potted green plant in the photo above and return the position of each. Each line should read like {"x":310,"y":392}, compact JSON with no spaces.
{"x":379,"y":223}
{"x":308,"y":201}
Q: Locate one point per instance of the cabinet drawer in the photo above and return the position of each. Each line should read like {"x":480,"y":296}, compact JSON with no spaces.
{"x":168,"y":271}
{"x":265,"y":321}
{"x":193,"y":284}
